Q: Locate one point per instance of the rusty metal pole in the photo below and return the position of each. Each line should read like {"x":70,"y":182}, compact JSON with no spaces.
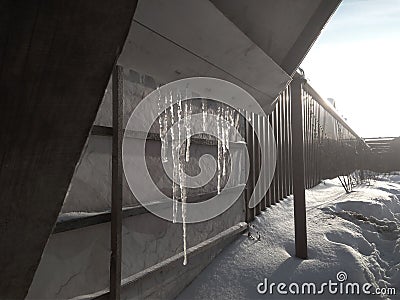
{"x":116,"y":189}
{"x":298,"y":167}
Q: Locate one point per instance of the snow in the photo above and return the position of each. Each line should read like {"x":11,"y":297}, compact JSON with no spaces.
{"x":356,"y":233}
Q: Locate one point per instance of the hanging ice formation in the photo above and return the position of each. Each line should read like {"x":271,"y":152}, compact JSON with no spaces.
{"x":188,"y":120}
{"x":180,"y":155}
{"x":219,"y":154}
{"x":179,"y":164}
{"x":175,"y":164}
{"x":204,"y":113}
{"x":226,"y":119}
{"x":163,"y":125}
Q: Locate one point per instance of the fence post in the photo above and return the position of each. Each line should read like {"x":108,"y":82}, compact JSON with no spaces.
{"x":298,"y":167}
{"x":116,"y":188}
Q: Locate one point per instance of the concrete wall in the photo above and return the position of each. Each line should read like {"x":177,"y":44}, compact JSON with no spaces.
{"x":76,"y":262}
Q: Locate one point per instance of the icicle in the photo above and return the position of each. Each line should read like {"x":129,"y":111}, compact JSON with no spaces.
{"x":223,"y":137}
{"x":227,"y":139}
{"x":163,"y":128}
{"x":204,"y":111}
{"x":164,"y":156}
{"x":175,"y":163}
{"x":229,"y":117}
{"x":177,"y":146}
{"x":219,"y":154}
{"x":237,"y":120}
{"x":160,"y":115}
{"x":188,"y":118}
{"x":183,"y":200}
{"x":179,"y":156}
{"x":182,"y":175}
{"x":236,"y":116}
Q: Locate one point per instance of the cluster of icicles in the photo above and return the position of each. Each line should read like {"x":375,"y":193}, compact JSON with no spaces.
{"x":172,"y":139}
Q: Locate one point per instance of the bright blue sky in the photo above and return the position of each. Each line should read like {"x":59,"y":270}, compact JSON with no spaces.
{"x":356,"y":61}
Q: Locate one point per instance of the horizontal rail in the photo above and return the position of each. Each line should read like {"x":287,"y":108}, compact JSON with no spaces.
{"x":153,"y":136}
{"x":90,"y":219}
{"x":328,"y":107}
{"x":224,"y":236}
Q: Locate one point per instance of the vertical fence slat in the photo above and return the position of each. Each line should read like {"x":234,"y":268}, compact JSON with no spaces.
{"x":315,"y":169}
{"x":269,"y":161}
{"x":116,"y":194}
{"x":278,"y":156}
{"x":284,"y":148}
{"x":281,"y":157}
{"x":290,"y":141}
{"x":257,"y":161}
{"x":254,"y":161}
{"x":312,"y":172}
{"x":308,"y":153}
{"x":264,"y":157}
{"x":272,"y":187}
{"x":250,"y":181}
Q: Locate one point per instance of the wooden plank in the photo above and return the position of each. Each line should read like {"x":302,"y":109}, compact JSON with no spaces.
{"x":116,"y":189}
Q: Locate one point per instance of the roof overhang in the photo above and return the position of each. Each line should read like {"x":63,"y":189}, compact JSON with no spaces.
{"x":255,"y":44}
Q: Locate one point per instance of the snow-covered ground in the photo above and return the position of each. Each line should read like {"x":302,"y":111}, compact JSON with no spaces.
{"x":356,"y":233}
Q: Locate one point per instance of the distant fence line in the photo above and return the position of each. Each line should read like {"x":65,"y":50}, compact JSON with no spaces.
{"x":330,"y":147}
{"x":313,"y":143}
